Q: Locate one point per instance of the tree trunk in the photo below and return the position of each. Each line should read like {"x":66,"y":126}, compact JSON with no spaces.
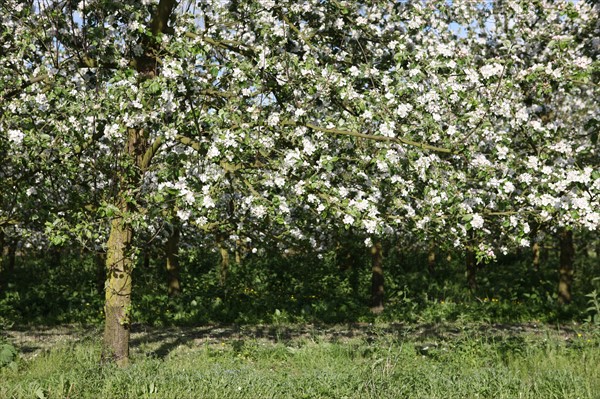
{"x":100,"y":260}
{"x":119,"y":256}
{"x":146,"y":258}
{"x":238,"y":252}
{"x":172,"y":250}
{"x":346,"y":262}
{"x":377,"y":287}
{"x":11,"y":255}
{"x":566,"y":270}
{"x":3,"y":253}
{"x":139,"y":153}
{"x":8,"y":256}
{"x":55,"y":256}
{"x":224,"y":265}
{"x":431,"y":260}
{"x":117,"y":307}
{"x":471,"y":265}
{"x":536,"y":249}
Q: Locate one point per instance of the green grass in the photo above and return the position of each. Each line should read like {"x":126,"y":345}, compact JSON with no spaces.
{"x":356,"y":361}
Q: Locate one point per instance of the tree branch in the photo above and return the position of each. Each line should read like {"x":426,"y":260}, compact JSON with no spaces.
{"x":399,"y":140}
{"x":149,"y":154}
{"x":189,"y":142}
{"x":36,"y":79}
{"x":159,"y":23}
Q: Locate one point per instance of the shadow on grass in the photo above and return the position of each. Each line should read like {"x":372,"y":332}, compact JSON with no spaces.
{"x":506,"y":337}
{"x":31,"y":340}
{"x":160,"y":342}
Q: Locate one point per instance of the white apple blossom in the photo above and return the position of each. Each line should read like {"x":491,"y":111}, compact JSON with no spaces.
{"x":476,"y":221}
{"x":16,"y":136}
{"x":348,"y":219}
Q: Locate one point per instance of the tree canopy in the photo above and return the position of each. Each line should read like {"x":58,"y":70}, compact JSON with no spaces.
{"x":284,"y":123}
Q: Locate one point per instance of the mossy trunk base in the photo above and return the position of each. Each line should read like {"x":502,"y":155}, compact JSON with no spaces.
{"x":117,"y":307}
{"x":116,"y":337}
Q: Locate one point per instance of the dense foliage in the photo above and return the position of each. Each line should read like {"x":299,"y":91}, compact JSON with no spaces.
{"x":303,"y":289}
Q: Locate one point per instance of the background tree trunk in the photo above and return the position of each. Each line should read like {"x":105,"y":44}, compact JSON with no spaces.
{"x":8,"y":258}
{"x":55,"y":255}
{"x":471,"y":265}
{"x":11,"y":256}
{"x":566,"y":269}
{"x":377,"y":282}
{"x":431,"y":259}
{"x":174,"y":285}
{"x":347,"y":263}
{"x":536,"y":249}
{"x":100,"y":259}
{"x":238,"y":252}
{"x":224,"y":264}
{"x":146,"y":258}
{"x":3,"y":258}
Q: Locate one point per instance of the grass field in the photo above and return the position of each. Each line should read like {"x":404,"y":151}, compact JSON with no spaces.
{"x":301,"y":328}
{"x":308,"y":361}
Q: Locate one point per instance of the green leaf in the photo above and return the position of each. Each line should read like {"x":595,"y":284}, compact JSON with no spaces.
{"x":57,"y":240}
{"x":39,"y":393}
{"x":8,"y":354}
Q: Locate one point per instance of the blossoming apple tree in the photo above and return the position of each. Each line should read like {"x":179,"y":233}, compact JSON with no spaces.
{"x":285,"y":120}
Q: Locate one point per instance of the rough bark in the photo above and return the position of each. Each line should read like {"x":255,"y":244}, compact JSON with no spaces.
{"x":172,"y":249}
{"x":566,"y":269}
{"x":119,"y":255}
{"x":377,"y":281}
{"x":117,"y":306}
